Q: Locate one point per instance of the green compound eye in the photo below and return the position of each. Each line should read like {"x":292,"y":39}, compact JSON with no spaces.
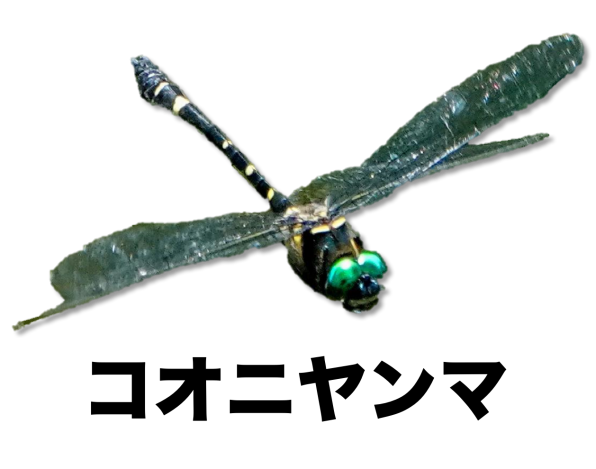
{"x":343,"y":274}
{"x":372,"y":264}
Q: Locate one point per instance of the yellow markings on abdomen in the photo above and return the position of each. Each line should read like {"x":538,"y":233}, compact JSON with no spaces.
{"x":160,"y":87}
{"x":179,"y":103}
{"x":270,"y":193}
{"x":249,"y":169}
{"x":226,"y":144}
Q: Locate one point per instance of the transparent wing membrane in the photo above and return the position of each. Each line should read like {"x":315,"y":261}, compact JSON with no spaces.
{"x":437,"y":132}
{"x":127,"y":257}
{"x":471,"y":153}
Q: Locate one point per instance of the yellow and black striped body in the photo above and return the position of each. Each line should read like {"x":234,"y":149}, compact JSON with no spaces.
{"x":311,"y":252}
{"x":156,"y":88}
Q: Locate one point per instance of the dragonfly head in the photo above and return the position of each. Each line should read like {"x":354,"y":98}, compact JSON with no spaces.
{"x":362,"y":296}
{"x":354,"y":281}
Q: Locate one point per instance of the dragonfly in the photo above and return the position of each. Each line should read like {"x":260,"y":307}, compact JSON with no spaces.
{"x":323,"y":248}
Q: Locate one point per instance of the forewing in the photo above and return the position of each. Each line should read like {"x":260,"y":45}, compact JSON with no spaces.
{"x":126,"y":257}
{"x":447,"y":124}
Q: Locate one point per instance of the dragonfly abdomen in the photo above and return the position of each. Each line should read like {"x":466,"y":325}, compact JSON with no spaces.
{"x":156,"y":88}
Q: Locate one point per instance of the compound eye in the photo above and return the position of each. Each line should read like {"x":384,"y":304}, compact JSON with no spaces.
{"x":344,"y":274}
{"x":372,"y":264}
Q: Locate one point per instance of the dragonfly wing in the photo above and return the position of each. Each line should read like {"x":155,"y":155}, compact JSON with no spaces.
{"x":126,"y":257}
{"x":471,"y":153}
{"x":448,"y":124}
